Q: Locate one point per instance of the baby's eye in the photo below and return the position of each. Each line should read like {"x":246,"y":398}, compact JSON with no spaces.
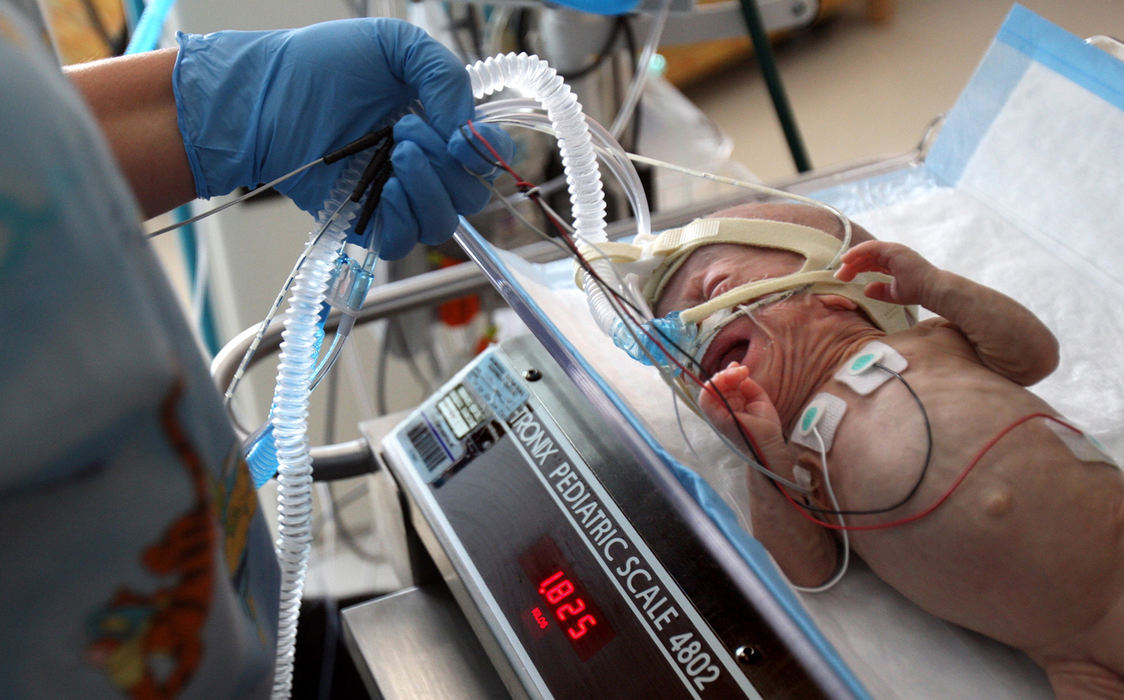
{"x":718,"y":287}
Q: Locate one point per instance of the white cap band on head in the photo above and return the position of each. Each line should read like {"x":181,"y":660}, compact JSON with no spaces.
{"x":655,"y":259}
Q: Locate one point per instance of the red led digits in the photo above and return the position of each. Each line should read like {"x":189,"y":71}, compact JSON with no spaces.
{"x":556,"y":588}
{"x":558,"y":591}
{"x":565,"y":599}
{"x":570,"y":609}
{"x":584,"y":623}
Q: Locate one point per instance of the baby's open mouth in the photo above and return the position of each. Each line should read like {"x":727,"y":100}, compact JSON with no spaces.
{"x":721,"y":357}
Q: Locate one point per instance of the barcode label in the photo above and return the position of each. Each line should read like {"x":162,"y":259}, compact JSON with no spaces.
{"x":427,"y":446}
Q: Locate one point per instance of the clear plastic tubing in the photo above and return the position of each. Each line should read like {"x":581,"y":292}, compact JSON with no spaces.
{"x":632,"y":98}
{"x":524,"y":112}
{"x":299,"y":348}
{"x":534,"y":77}
{"x":299,"y":344}
{"x":615,"y":158}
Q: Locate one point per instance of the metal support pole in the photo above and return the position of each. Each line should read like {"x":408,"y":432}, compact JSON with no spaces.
{"x":768,"y":63}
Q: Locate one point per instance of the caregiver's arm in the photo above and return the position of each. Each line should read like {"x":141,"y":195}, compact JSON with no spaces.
{"x":131,"y":98}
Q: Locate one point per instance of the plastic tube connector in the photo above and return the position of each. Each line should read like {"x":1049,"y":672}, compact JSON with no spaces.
{"x":648,"y":347}
{"x":351,"y":280}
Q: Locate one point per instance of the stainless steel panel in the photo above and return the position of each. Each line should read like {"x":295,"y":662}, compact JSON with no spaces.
{"x":416,"y":644}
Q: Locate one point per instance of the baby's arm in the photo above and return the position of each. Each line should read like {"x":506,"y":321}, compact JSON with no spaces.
{"x":1006,"y":336}
{"x":805,"y":552}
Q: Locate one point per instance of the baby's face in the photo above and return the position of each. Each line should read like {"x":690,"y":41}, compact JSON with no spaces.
{"x":715,"y":269}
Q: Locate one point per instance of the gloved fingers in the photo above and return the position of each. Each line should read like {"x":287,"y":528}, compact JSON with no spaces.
{"x":425,"y":192}
{"x":254,"y":105}
{"x":466,"y":194}
{"x":432,"y":71}
{"x":473,"y":152}
{"x":422,"y":192}
{"x":394,"y":222}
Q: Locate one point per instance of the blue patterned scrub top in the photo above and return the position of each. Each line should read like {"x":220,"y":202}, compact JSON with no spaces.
{"x":133,"y":558}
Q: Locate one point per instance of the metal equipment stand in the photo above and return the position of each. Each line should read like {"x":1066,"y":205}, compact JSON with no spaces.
{"x":765,"y":58}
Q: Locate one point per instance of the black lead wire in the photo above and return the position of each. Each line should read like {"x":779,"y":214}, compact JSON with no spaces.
{"x":359,"y":144}
{"x":689,"y":359}
{"x":363,"y":142}
{"x":472,"y":144}
{"x":374,"y":176}
{"x":924,"y":466}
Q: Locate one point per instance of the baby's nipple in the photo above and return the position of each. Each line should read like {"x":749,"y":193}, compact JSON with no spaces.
{"x":998,"y":503}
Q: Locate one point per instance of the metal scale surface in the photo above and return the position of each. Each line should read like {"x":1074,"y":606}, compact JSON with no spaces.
{"x":582,"y":567}
{"x":572,"y":562}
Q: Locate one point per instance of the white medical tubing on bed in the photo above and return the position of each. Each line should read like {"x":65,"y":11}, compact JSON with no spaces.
{"x":834,"y":504}
{"x":299,"y":348}
{"x":531,"y":74}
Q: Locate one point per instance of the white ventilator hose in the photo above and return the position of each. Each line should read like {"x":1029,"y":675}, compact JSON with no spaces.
{"x":534,"y":77}
{"x":526,"y":113}
{"x":299,"y":349}
{"x":300,"y":339}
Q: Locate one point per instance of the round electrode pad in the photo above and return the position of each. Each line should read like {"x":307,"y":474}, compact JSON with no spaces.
{"x":861,"y":372}
{"x":821,"y":417}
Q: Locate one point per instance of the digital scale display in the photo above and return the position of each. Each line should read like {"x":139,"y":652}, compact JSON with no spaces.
{"x":559,"y":572}
{"x":566,"y":601}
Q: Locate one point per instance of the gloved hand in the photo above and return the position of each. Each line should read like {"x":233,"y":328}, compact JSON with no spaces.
{"x":255,"y":105}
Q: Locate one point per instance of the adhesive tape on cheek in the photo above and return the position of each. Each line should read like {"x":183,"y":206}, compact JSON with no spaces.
{"x":823,"y":415}
{"x":860,"y":373}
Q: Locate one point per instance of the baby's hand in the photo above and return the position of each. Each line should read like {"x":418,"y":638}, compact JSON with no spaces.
{"x":751,"y":407}
{"x":912,"y":273}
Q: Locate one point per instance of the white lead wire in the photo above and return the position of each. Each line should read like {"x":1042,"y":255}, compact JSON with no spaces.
{"x":835,"y":504}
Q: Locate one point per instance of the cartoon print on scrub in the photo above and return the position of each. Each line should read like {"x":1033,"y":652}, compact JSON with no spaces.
{"x":149,"y":645}
{"x":236,"y":503}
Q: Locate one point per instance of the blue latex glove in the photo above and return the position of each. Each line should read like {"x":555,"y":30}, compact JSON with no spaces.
{"x":255,"y":105}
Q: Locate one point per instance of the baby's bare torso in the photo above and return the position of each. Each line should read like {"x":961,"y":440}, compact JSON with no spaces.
{"x":1029,"y":549}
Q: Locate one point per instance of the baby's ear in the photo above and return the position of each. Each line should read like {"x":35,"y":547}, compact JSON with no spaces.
{"x":835,"y":302}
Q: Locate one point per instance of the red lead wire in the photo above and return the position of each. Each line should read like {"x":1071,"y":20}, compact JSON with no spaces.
{"x":944,"y":497}
{"x":522,"y":184}
{"x":528,"y":188}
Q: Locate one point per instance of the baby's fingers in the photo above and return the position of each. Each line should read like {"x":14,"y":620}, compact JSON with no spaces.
{"x":871,"y":256}
{"x":910,"y":271}
{"x":880,"y":291}
{"x":722,"y":391}
{"x":733,"y":389}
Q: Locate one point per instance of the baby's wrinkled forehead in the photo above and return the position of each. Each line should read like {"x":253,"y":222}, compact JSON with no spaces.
{"x":735,"y":262}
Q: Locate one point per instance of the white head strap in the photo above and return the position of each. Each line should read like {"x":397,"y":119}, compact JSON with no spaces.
{"x":654,"y":260}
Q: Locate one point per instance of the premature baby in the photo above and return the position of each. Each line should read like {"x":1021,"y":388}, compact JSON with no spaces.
{"x":1007,"y":525}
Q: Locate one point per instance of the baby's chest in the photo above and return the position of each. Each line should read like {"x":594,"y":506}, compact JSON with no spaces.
{"x":877,"y":448}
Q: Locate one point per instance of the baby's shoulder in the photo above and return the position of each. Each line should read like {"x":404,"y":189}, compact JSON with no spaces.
{"x":935,"y":329}
{"x":932,"y":336}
